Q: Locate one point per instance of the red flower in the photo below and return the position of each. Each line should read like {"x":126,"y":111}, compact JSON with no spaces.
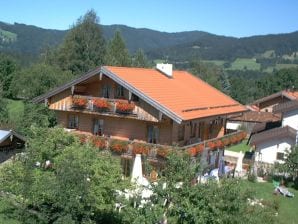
{"x":98,"y":142}
{"x":219,"y":144}
{"x":140,"y":148}
{"x":211,"y":145}
{"x":192,"y":151}
{"x":79,"y":101}
{"x":226,"y":141}
{"x":126,"y":107}
{"x":162,"y":152}
{"x":101,"y":103}
{"x":200,"y":148}
{"x":118,"y":146}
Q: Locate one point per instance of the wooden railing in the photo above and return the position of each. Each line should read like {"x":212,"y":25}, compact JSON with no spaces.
{"x":128,"y":148}
{"x":67,"y":104}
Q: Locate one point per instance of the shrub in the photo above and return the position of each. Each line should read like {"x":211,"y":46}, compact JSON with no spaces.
{"x":162,"y":152}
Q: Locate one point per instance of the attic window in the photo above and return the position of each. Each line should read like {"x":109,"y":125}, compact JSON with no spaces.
{"x":119,"y":91}
{"x":280,"y":156}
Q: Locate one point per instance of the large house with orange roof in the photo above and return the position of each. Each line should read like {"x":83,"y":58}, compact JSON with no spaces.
{"x":157,"y":106}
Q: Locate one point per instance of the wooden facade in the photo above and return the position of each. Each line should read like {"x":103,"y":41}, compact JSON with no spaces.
{"x":137,"y":125}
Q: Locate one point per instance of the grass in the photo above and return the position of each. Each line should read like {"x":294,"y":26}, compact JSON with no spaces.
{"x":245,"y":63}
{"x":281,"y":66}
{"x":239,"y":147}
{"x":8,"y":36}
{"x":5,"y":211}
{"x":15,"y":109}
{"x":216,"y":62}
{"x":288,"y":207}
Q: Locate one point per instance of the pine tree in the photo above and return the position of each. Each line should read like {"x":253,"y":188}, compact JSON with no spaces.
{"x":140,"y":59}
{"x":117,"y":53}
{"x":84,"y":45}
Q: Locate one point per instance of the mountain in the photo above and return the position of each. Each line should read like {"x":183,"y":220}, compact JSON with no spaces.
{"x":182,"y":46}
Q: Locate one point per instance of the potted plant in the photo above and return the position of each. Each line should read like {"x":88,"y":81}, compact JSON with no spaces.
{"x":101,"y":104}
{"x":219,"y":144}
{"x":79,"y":102}
{"x":124,"y":107}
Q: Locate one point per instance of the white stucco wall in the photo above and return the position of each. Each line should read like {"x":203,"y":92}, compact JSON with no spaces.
{"x":291,"y":119}
{"x":267,"y":151}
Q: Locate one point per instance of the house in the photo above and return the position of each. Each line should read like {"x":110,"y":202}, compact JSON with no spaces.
{"x":267,"y":103}
{"x":10,"y":142}
{"x":272,"y":144}
{"x":151,"y":105}
{"x":251,"y":119}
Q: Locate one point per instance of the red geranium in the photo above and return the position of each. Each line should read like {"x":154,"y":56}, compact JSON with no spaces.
{"x":101,"y":103}
{"x":79,"y":101}
{"x":125,"y":107}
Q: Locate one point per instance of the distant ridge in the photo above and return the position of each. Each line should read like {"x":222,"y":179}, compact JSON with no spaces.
{"x":179,"y":46}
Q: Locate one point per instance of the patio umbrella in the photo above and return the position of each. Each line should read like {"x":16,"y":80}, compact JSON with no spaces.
{"x":238,"y":168}
{"x":137,"y":173}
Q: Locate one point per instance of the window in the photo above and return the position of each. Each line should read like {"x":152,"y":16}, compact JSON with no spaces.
{"x":119,"y":92}
{"x":73,"y":121}
{"x":193,"y":129}
{"x":280,"y":156}
{"x":181,"y":130}
{"x":106,"y":91}
{"x":98,"y":127}
{"x":153,"y":134}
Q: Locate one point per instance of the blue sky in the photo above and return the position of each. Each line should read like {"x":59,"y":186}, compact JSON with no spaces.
{"x":224,"y":17}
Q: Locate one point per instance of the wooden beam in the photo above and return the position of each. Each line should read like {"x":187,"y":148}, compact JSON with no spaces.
{"x":46,"y":102}
{"x":159,"y":115}
{"x":72,"y":89}
{"x":129,"y":95}
{"x":100,"y":76}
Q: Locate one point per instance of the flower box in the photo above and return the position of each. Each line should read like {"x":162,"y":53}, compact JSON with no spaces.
{"x":98,"y":142}
{"x":140,"y":148}
{"x":200,"y":148}
{"x":192,"y":151}
{"x":79,"y":102}
{"x":162,"y":152}
{"x":124,"y":107}
{"x":118,"y":146}
{"x":219,"y":144}
{"x":226,"y":141}
{"x":101,"y":104}
{"x":211,"y":145}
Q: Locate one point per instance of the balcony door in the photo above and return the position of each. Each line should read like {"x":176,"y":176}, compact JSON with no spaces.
{"x":153,"y":134}
{"x":98,"y":127}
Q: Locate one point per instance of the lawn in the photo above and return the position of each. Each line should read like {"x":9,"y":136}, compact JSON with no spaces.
{"x":288,"y":207}
{"x":15,"y":109}
{"x":245,"y":63}
{"x":239,"y":147}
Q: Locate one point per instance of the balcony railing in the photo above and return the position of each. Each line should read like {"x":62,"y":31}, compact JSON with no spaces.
{"x":103,"y":106}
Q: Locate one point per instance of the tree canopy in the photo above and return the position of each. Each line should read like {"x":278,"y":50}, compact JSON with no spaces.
{"x":84,"y":45}
{"x":117,"y":53}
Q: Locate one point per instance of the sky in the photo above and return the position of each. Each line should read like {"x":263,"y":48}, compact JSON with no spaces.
{"x":238,"y":18}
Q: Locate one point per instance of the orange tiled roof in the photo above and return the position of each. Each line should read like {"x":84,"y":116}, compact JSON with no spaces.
{"x":292,"y":93}
{"x":185,"y":95}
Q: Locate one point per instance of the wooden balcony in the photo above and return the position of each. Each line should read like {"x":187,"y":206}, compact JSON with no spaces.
{"x":113,"y":107}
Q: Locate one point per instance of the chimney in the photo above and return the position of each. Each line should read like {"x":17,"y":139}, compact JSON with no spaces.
{"x":167,"y":69}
